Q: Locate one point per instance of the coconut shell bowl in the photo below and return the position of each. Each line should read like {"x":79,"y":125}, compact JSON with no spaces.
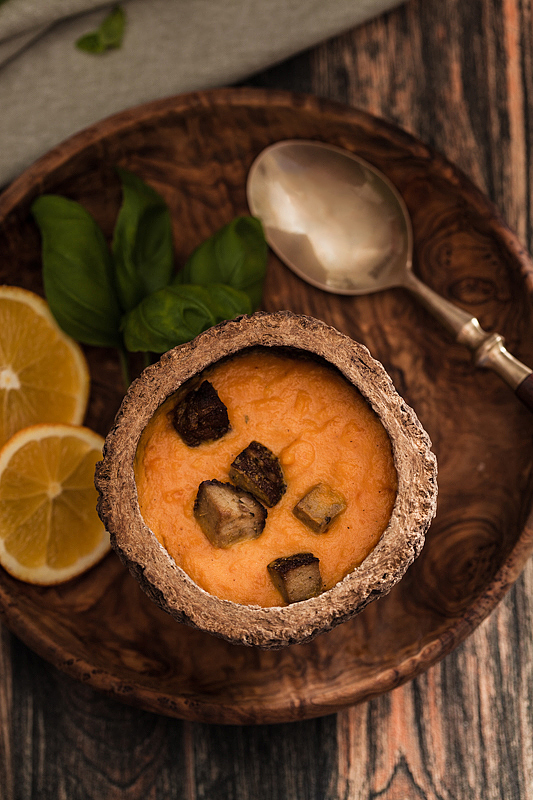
{"x":170,"y":586}
{"x":196,"y":150}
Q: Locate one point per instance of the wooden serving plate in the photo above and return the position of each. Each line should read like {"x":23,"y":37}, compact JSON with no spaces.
{"x":196,"y":150}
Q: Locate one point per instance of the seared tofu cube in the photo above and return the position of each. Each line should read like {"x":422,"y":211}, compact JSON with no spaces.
{"x":201,"y":416}
{"x":296,"y":577}
{"x":319,"y":507}
{"x":228,"y":515}
{"x":257,"y":470}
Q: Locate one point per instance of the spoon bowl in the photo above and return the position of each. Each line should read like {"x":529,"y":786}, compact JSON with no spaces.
{"x":334,"y":219}
{"x":341,"y":225}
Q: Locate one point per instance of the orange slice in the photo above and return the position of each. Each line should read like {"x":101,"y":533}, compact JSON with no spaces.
{"x":49,"y":528}
{"x":43,"y":372}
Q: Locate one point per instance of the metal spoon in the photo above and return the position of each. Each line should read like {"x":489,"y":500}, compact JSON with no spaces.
{"x":342,"y":226}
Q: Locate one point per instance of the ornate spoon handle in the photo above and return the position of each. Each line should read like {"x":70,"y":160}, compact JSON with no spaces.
{"x":488,"y":348}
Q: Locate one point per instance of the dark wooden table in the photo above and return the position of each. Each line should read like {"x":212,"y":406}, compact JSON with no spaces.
{"x":460,"y":77}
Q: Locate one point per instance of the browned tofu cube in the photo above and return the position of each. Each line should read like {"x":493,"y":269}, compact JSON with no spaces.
{"x":228,"y":515}
{"x":201,"y":416}
{"x":257,"y":470}
{"x":296,"y":577}
{"x":319,"y":507}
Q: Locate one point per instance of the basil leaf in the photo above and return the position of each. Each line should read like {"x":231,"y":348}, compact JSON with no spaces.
{"x":91,"y":43}
{"x":236,"y":256}
{"x":109,"y":35}
{"x":227,"y":302}
{"x":169,"y":317}
{"x":142,"y":242}
{"x":112,"y":28}
{"x":77,"y":272}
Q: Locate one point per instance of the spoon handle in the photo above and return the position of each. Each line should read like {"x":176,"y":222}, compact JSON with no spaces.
{"x":488,"y":348}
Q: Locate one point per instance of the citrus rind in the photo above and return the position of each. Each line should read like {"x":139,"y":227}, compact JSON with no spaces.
{"x":44,"y":376}
{"x":49,"y":529}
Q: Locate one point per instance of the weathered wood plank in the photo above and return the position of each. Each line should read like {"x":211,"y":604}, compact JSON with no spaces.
{"x":464,"y":729}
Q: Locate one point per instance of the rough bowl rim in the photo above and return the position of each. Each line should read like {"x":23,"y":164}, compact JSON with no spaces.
{"x":169,"y":585}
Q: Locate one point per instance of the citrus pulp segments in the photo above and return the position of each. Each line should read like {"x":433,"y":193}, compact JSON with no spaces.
{"x":49,"y":527}
{"x":43,"y":372}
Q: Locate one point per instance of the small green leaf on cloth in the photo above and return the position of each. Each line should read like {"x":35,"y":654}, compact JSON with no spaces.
{"x":108,"y":36}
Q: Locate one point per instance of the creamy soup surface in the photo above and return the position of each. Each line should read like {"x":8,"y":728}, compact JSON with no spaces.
{"x":321,"y":429}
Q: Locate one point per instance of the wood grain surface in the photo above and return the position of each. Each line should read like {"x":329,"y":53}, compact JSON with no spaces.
{"x":197,"y":150}
{"x":459,"y":76}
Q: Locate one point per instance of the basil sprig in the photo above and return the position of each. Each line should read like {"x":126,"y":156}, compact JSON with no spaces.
{"x":130,"y":296}
{"x":142,"y":242}
{"x":78,"y":272}
{"x":177,"y":314}
{"x":236,"y":256}
{"x":107,"y":36}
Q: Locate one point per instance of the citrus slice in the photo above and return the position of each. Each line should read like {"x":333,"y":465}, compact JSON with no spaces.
{"x":49,"y":527}
{"x":43,"y":372}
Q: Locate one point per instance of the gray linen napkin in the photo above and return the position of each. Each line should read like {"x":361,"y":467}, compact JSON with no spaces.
{"x":49,"y":89}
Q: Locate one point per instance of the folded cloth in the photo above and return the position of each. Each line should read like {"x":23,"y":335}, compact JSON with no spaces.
{"x":50,"y":89}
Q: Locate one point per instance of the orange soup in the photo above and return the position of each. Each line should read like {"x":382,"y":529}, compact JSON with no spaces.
{"x":322,"y":431}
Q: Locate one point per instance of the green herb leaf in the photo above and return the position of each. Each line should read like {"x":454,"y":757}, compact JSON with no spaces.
{"x":227,"y":302}
{"x":91,"y":43}
{"x":142,"y":242}
{"x":109,"y":35}
{"x":236,"y":256}
{"x":77,"y":272}
{"x":176,"y":314}
{"x":169,"y":317}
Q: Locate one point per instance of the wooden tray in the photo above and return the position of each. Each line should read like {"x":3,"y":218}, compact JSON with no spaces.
{"x":196,"y":150}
